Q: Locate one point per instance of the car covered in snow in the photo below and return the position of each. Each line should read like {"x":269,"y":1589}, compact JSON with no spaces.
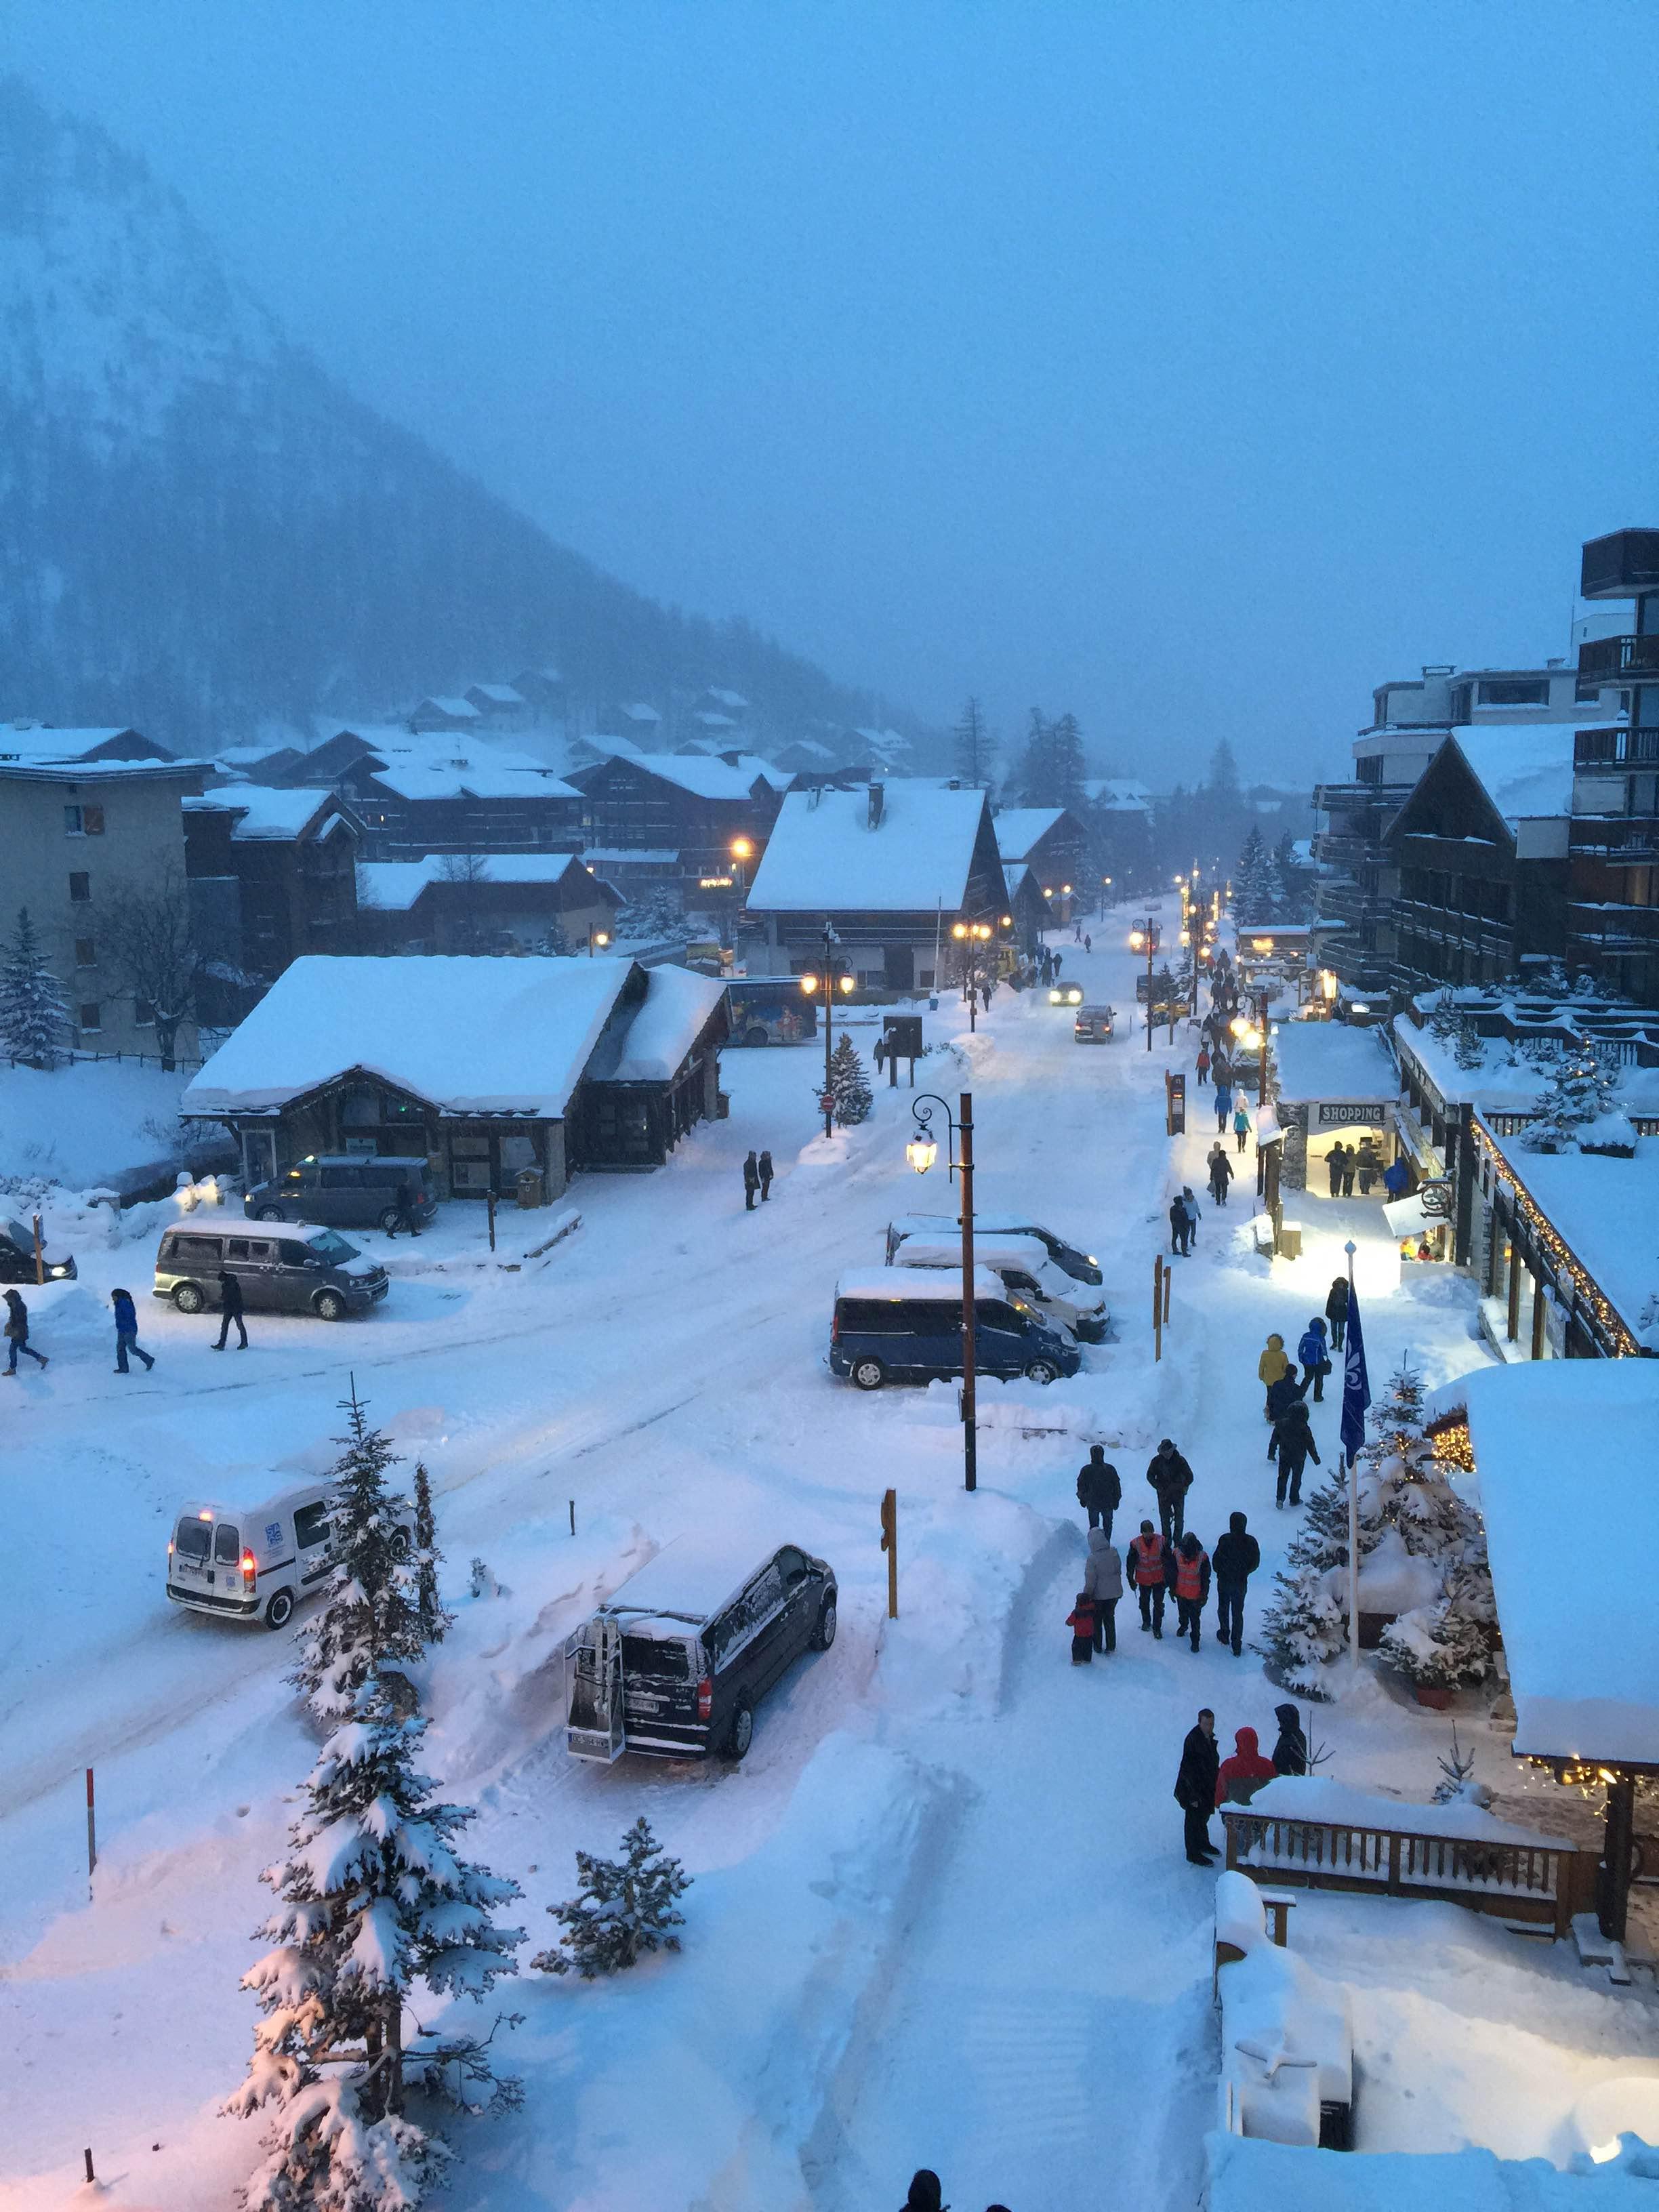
{"x":1081,"y":1267}
{"x":675,"y":1661}
{"x":300,"y":1268}
{"x":18,"y":1257}
{"x":1023,"y":1266}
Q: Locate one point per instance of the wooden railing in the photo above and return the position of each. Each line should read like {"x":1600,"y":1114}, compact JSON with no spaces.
{"x":1544,"y":1882}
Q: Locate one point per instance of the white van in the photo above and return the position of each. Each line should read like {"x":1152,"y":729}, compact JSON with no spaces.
{"x":251,"y":1561}
{"x":1024,"y":1268}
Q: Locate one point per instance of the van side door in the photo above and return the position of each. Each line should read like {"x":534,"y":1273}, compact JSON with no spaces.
{"x":343,"y":1202}
{"x":938,"y":1340}
{"x":800,"y":1601}
{"x":756,"y":1631}
{"x":250,"y":1258}
{"x":1000,"y":1345}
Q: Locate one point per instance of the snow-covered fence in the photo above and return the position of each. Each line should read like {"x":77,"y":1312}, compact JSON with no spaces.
{"x":1456,"y":1853}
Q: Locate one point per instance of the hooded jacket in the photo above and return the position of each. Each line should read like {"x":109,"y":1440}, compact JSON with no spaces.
{"x":1169,"y":1477}
{"x":1314,"y":1351}
{"x":126,"y":1319}
{"x":1284,"y":1394}
{"x":1290,"y":1751}
{"x":1238,"y":1778}
{"x":1103,"y":1571}
{"x":1273,"y":1363}
{"x":1292,"y":1442}
{"x":1336,"y":1304}
{"x":1098,"y":1485}
{"x":1238,"y":1555}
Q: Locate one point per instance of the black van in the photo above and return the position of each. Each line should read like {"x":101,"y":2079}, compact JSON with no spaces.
{"x":345,"y":1190}
{"x":676,"y":1661}
{"x":892,"y":1325}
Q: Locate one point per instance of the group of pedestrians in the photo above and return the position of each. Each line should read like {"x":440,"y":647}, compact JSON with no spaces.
{"x":756,"y":1176}
{"x":1183,"y":1219}
{"x":1343,"y":1163}
{"x":1204,"y":1781}
{"x":1166,"y":1561}
{"x":125,"y":1314}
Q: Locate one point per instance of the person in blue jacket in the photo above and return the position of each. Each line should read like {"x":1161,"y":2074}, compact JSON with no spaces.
{"x":126,"y":1333}
{"x":1315,"y":1353}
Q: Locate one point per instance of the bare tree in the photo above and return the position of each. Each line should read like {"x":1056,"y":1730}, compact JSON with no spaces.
{"x":466,"y":870}
{"x":154,"y":951}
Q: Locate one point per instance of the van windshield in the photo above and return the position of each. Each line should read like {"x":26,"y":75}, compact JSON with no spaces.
{"x":327,"y":1246}
{"x":191,"y":1538}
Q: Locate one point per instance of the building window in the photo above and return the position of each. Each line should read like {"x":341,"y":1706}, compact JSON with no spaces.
{"x":1515,"y":691}
{"x":143,"y":1014}
{"x":92,"y":1016}
{"x":83,"y":821}
{"x":86,"y":952}
{"x":80,"y":885}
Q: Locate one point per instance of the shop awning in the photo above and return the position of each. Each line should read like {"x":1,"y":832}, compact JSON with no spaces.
{"x":1405,"y":1216}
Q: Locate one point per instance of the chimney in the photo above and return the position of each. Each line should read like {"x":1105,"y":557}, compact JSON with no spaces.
{"x":878,"y":804}
{"x":954,"y":784}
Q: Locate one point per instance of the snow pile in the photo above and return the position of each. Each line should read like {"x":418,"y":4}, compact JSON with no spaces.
{"x":88,"y":1122}
{"x":1253,"y":2176}
{"x":1314,"y":1799}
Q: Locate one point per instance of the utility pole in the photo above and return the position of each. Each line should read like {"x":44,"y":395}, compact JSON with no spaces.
{"x":969,"y":1342}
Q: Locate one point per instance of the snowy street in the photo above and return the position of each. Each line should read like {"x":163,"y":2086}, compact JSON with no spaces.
{"x":940,"y":1914}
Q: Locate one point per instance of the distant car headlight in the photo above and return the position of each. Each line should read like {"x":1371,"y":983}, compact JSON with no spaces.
{"x":1075,"y":997}
{"x":59,"y":1271}
{"x":1056,"y":998}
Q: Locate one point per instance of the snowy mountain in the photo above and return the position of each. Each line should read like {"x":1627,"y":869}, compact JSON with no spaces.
{"x":199,"y":529}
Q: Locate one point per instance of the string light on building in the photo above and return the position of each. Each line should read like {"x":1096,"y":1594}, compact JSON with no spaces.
{"x":1589,"y":1293}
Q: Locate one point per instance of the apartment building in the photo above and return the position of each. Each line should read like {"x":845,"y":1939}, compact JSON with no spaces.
{"x":1613,"y":922}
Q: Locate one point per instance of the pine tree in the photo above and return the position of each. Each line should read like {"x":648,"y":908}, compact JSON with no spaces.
{"x":1583,"y":1089}
{"x":1468,"y":1045}
{"x":1067,"y":764}
{"x":371,"y":1898}
{"x":625,"y":1906}
{"x":1033,"y":779}
{"x":1444,"y":1643}
{"x":434,"y":1622}
{"x":1444,"y":1015}
{"x":1306,"y":1622}
{"x":1293,"y":885}
{"x":1457,"y":1784}
{"x":1401,"y":1483}
{"x":848,"y":1086}
{"x":974,"y":751}
{"x":33,"y":1017}
{"x":370,"y":1616}
{"x":1253,"y":882}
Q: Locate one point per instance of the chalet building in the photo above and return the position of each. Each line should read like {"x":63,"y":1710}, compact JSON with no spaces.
{"x":485,"y":903}
{"x":637,"y":721}
{"x":546,"y":692}
{"x":272,"y":877}
{"x":1614,"y":895}
{"x":1028,"y":911}
{"x":496,"y":1070}
{"x":1052,"y":842}
{"x":680,"y":803}
{"x":501,"y":706}
{"x":22,"y":742}
{"x":438,"y":792}
{"x":435,"y":714}
{"x":1480,"y":853}
{"x":890,"y":868}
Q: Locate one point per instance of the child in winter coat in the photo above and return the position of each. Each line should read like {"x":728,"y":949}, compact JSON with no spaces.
{"x":1239,"y":1777}
{"x":1081,"y":1622}
{"x":1315,"y":1354}
{"x":1271,"y":1368}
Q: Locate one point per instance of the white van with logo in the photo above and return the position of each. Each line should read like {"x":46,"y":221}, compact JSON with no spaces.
{"x":253,"y":1561}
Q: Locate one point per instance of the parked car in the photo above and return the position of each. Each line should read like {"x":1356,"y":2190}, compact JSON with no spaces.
{"x":254,"y":1558}
{"x":1095,"y":1026}
{"x":1081,"y":1267}
{"x":901,"y":1325}
{"x":18,"y":1257}
{"x":345,"y":1191}
{"x":305,"y":1270}
{"x":676,"y":1661}
{"x":1066,"y":994}
{"x":1022,"y":1266}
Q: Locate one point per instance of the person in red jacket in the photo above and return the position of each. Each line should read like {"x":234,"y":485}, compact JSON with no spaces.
{"x":1081,"y":1622}
{"x":1238,"y":1778}
{"x":1191,"y":1574}
{"x":1149,"y":1558}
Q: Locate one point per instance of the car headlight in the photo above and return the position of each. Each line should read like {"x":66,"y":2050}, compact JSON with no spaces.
{"x":60,"y":1271}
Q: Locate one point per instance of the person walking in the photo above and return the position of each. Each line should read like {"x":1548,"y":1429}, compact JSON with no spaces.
{"x":1195,"y":1788}
{"x":1238,"y":1778}
{"x":763,"y":1169}
{"x":1148,"y":1562}
{"x":985,"y":990}
{"x":1369,"y":1164}
{"x":1203,"y":1065}
{"x":1349,"y":1164}
{"x":1285,"y":1392}
{"x":1240,"y":1123}
{"x":1221,"y":1172}
{"x":1099,"y":1492}
{"x":230,"y":1310}
{"x":17,"y":1334}
{"x":1190,"y":1205}
{"x":1336,"y":1311}
{"x":1103,"y":1585}
{"x":1290,"y":1751}
{"x":1223,"y":1103}
{"x":1396,"y":1177}
{"x":1191,"y":1571}
{"x":1238,"y":1555}
{"x":1315,"y":1357}
{"x":1181,"y":1227}
{"x":1088,"y":941}
{"x":751,"y":1182}
{"x":126,"y":1333}
{"x":1171,"y":1478}
{"x":1270,"y":1369}
{"x":1334,"y":1160}
{"x":403,"y":1205}
{"x":1082,"y":1623}
{"x":926,"y":2192}
{"x":1292,"y":1445}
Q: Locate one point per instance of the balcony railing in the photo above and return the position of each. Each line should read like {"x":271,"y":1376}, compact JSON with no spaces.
{"x":1610,"y":658}
{"x":1632,"y":928}
{"x":1616,"y":844}
{"x":1620,"y":565}
{"x":1615,"y":747}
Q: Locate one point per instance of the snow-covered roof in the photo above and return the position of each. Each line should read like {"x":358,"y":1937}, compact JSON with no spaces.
{"x":1563,"y":1447}
{"x":480,"y":778}
{"x":630,"y":856}
{"x":460,"y":710}
{"x":1525,"y":770}
{"x":933,"y":1282}
{"x":147,"y":767}
{"x":1607,"y":1211}
{"x":1017,"y":874}
{"x":471,"y":1034}
{"x":1506,"y":1081}
{"x":711,"y":720}
{"x":638,"y":712}
{"x":1019,"y":828}
{"x":823,"y":855}
{"x":1333,"y":1059}
{"x":36,"y":742}
{"x":733,"y":699}
{"x":696,"y":1573}
{"x":264,"y":809}
{"x":1117,"y":795}
{"x":393,"y":886}
{"x":499,"y":694}
{"x":707,"y":777}
{"x":678,"y":1006}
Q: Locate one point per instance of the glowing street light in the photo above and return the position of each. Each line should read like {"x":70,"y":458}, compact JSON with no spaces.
{"x":921,"y":1152}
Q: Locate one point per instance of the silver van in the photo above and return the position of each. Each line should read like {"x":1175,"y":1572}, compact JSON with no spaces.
{"x":1025,"y":1269}
{"x":287,"y":1269}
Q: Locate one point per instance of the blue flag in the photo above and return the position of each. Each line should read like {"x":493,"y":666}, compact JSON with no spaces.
{"x":1356,"y":1382}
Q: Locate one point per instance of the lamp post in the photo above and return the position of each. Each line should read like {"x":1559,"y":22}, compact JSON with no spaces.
{"x":835,"y":978}
{"x":921,"y":1152}
{"x":1144,"y":936}
{"x":599,"y":937}
{"x":971,"y":936}
{"x":1105,"y":886}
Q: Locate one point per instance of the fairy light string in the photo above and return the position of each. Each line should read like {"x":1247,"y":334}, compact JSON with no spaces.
{"x":1589,"y":1291}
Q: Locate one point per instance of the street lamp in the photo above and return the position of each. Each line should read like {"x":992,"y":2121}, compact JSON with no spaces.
{"x":921,"y":1152}
{"x":970,"y":935}
{"x":599,"y":937}
{"x":835,"y":978}
{"x":1144,"y":938}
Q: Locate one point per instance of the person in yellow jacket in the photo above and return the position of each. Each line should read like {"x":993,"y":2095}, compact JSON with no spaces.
{"x":1272,"y":1368}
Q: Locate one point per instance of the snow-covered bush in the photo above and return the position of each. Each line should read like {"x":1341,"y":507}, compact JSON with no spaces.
{"x":1447,"y":1643}
{"x":33,"y":1017}
{"x":428,"y":1606}
{"x":849,"y":1086}
{"x":624,"y":1906}
{"x":1581,"y":1091}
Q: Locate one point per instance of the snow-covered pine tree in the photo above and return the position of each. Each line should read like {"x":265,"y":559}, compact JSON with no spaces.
{"x":848,"y":1086}
{"x":1583,"y":1088}
{"x":1402,"y":1485}
{"x":373,"y":1897}
{"x":1306,"y":1622}
{"x":369,"y":1617}
{"x":1068,"y":765}
{"x":974,"y":751}
{"x":658,"y":914}
{"x":1292,"y":883}
{"x":1446,"y":1642}
{"x":1468,"y":1046}
{"x":428,"y":1606}
{"x":1443,"y":1015}
{"x":33,"y":1017}
{"x":1253,"y":895}
{"x":624,"y":1906}
{"x":1033,"y":779}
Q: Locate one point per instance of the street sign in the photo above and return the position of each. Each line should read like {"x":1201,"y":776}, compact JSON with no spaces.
{"x":903,"y":1035}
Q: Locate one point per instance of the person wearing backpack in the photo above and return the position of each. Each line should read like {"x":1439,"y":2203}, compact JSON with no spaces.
{"x":1315,"y":1357}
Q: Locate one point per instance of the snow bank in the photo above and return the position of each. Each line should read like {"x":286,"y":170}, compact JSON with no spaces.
{"x":1246,"y":2175}
{"x":1312,"y":1797}
{"x":90,"y":1121}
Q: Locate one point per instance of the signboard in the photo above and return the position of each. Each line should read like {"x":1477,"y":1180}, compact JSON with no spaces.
{"x":903,"y":1036}
{"x":1338,"y":1114}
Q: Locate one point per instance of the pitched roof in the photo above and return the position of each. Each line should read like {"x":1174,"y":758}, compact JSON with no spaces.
{"x":264,"y":811}
{"x":705,"y":775}
{"x":1524,"y":769}
{"x":37,"y":742}
{"x":1019,"y":828}
{"x":416,"y":781}
{"x":393,"y":886}
{"x":499,"y":694}
{"x":459,"y":710}
{"x":824,"y":856}
{"x":679,"y":1004}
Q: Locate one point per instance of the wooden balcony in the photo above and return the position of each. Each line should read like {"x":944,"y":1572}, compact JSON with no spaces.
{"x":1619,"y":659}
{"x":1619,"y":747}
{"x":1620,"y":565}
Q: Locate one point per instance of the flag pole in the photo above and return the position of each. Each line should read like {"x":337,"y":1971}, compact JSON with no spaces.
{"x":1353,"y":1518}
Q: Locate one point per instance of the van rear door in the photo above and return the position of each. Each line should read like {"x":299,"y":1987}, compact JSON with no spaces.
{"x":659,"y":1690}
{"x":191,"y":1567}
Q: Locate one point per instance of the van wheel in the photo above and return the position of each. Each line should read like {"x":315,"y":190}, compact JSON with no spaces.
{"x":329,"y":1305}
{"x":280,"y":1611}
{"x":390,"y":1219}
{"x":824,"y":1634}
{"x":741,"y":1733}
{"x":188,"y":1297}
{"x":270,"y":1213}
{"x":1042,"y":1370}
{"x":869,"y":1373}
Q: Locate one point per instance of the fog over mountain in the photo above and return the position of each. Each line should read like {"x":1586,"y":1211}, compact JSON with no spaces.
{"x":201,"y":531}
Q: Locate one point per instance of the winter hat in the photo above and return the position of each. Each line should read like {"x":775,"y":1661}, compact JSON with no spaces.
{"x":1145,"y":1527}
{"x":1096,"y":1451}
{"x":1166,"y":1443}
{"x":927,"y":2191}
{"x":1190,"y":1546}
{"x":1275,"y":1343}
{"x":1236,"y":1523}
